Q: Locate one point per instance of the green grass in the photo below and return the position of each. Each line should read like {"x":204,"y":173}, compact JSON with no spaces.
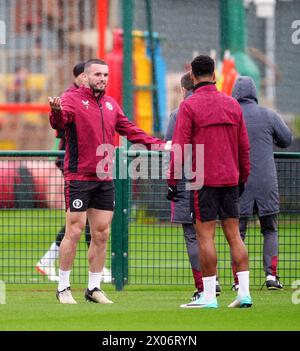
{"x":157,"y":252}
{"x":157,"y":256}
{"x":137,"y":308}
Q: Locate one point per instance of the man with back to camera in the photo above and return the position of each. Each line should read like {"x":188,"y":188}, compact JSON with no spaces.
{"x":180,"y":210}
{"x":214,"y":120}
{"x":261,"y":195}
{"x":90,"y":118}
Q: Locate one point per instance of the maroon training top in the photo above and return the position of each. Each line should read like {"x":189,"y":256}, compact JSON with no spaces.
{"x":90,"y":125}
{"x":215,"y":120}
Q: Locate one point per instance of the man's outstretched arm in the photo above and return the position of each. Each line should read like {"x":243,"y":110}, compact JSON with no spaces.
{"x":62,"y":112}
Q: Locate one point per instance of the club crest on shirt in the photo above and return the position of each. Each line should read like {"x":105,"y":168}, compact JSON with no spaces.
{"x":109,"y":105}
{"x":86,"y":103}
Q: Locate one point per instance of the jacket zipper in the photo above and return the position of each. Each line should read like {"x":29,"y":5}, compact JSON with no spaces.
{"x":101,"y":112}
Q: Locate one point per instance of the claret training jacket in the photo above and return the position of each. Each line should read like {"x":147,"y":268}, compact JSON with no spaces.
{"x":90,"y":123}
{"x":214,"y":120}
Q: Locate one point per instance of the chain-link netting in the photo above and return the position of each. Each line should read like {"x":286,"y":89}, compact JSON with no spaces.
{"x":157,"y":249}
{"x":32,"y":216}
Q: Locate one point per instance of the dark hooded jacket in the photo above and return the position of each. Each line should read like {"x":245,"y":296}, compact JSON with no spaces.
{"x":265,"y":128}
{"x":181,"y":210}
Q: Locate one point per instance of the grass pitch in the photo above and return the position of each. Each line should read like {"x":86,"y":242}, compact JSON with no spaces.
{"x":157,"y":256}
{"x":144,"y":308}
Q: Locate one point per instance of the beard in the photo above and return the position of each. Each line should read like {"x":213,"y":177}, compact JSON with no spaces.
{"x":96,"y":89}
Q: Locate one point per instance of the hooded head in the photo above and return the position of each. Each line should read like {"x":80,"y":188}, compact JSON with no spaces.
{"x":187,"y":85}
{"x":244,"y":89}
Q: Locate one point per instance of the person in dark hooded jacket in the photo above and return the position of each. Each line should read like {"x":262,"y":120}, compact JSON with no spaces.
{"x":265,"y":129}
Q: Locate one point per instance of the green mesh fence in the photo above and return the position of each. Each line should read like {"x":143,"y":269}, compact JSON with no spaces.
{"x":31,"y":216}
{"x":145,"y":247}
{"x":157,"y":251}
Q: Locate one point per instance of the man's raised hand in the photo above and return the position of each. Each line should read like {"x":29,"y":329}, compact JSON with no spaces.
{"x":55,"y":103}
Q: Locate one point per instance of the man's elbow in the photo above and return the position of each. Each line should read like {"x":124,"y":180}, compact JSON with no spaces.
{"x":284,"y":143}
{"x":289,"y":140}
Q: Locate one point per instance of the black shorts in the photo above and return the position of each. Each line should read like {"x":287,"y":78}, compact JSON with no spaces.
{"x":211,"y":203}
{"x":81,"y":195}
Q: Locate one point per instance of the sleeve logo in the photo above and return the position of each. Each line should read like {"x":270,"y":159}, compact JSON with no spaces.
{"x":86,"y":103}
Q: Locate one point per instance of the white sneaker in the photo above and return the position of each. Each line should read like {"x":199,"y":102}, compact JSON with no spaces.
{"x":48,"y":270}
{"x":241,"y":302}
{"x":106,"y":275}
{"x":200,"y":302}
{"x":65,"y":296}
{"x":96,"y":295}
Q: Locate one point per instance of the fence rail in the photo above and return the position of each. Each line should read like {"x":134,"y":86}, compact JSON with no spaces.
{"x":145,"y":248}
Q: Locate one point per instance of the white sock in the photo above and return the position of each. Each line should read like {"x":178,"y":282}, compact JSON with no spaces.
{"x":243,"y":284}
{"x":209,"y":288}
{"x":51,"y":255}
{"x":271,"y":277}
{"x":64,"y":280}
{"x":94,"y":280}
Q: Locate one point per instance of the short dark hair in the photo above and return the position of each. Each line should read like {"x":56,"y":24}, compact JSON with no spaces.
{"x":202,"y":66}
{"x":186,"y":81}
{"x":78,"y":69}
{"x":94,"y":61}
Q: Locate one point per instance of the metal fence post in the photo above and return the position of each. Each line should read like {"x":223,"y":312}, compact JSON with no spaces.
{"x":126,"y":191}
{"x":119,"y":235}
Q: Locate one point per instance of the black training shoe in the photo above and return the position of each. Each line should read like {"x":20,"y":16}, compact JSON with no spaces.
{"x":235,"y":287}
{"x":96,"y":295}
{"x":218,"y":290}
{"x":196,"y":295}
{"x":274,"y":284}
